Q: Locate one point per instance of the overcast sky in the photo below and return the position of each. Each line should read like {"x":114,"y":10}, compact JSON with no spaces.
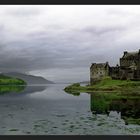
{"x":60,"y":42}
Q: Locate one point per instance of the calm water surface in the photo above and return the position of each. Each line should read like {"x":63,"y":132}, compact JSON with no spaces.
{"x":48,"y":110}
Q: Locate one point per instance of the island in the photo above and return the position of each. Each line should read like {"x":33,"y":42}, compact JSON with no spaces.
{"x":107,"y":84}
{"x":114,"y":88}
{"x":103,"y":77}
{"x":29,"y":79}
{"x":9,"y":84}
{"x":7,"y":80}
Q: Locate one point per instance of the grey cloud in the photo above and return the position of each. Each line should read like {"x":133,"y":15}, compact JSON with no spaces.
{"x":103,"y":30}
{"x":116,"y":12}
{"x":47,"y":52}
{"x":23,"y":11}
{"x":56,"y":47}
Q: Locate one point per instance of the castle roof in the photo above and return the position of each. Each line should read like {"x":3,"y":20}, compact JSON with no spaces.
{"x":99,"y":65}
{"x":131,"y":54}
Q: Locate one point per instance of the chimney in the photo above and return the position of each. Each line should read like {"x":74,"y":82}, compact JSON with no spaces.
{"x":107,"y":63}
{"x":125,"y":52}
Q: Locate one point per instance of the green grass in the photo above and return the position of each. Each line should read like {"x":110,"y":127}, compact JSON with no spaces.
{"x":106,"y":84}
{"x":6,"y":80}
{"x":10,"y":84}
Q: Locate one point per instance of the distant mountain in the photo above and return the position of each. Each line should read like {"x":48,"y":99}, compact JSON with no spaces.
{"x":30,"y":79}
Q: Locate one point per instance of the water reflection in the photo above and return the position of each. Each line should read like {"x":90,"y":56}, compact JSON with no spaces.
{"x":32,"y":89}
{"x":74,"y":93}
{"x":128,"y":106}
{"x":125,"y":103}
{"x":7,"y":89}
{"x":21,"y":90}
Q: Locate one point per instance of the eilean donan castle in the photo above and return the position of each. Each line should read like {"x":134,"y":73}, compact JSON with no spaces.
{"x":129,"y":68}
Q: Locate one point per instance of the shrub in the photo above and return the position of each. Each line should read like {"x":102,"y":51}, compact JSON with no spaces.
{"x":76,"y":85}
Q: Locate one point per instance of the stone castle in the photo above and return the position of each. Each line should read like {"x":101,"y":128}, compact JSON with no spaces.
{"x":129,"y":68}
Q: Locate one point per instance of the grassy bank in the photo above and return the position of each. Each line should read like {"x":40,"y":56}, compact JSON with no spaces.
{"x":6,"y":80}
{"x":107,"y":84}
{"x":112,"y":95}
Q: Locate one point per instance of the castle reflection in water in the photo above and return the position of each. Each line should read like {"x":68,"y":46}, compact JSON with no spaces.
{"x":127,"y":106}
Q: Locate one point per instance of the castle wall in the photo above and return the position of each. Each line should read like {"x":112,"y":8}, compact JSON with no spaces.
{"x":125,"y":62}
{"x":97,"y":73}
{"x":129,"y":68}
{"x":114,"y":72}
{"x":137,"y":74}
{"x":138,"y":64}
{"x":126,"y":74}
